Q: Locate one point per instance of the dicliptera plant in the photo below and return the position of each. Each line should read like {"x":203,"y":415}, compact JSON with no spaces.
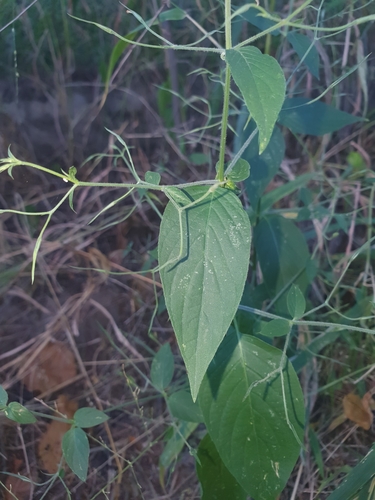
{"x":244,"y":389}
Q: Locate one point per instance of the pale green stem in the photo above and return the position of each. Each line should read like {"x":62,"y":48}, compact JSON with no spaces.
{"x":122,"y":185}
{"x":224,"y":119}
{"x":335,"y":326}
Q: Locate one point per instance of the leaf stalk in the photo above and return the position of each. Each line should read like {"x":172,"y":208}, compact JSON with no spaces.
{"x":224,"y":120}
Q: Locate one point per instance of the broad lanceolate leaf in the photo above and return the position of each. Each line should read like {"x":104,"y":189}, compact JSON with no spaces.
{"x":253,"y":16}
{"x":283,"y":256}
{"x":15,"y":411}
{"x":296,"y":302}
{"x":357,"y":478}
{"x":275,"y":328}
{"x":203,"y":284}
{"x":216,"y":480}
{"x":262,"y":84}
{"x":162,"y":368}
{"x":75,"y":446}
{"x":263,"y":167}
{"x":302,"y":45}
{"x":182,"y":406}
{"x":316,"y":118}
{"x":89,"y":417}
{"x":252,"y":434}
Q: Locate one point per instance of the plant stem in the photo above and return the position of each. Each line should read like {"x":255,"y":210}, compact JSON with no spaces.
{"x":224,"y":119}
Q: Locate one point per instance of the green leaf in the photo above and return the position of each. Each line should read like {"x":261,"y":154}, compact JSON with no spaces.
{"x":296,"y":302}
{"x":216,"y":481}
{"x":284,"y":190}
{"x":314,"y":347}
{"x":283,"y":256}
{"x":15,"y":411}
{"x":182,"y":407}
{"x":356,"y":478}
{"x":175,"y":443}
{"x":252,"y":15}
{"x":252,"y":434}
{"x":72,"y":173}
{"x":179,"y":195}
{"x":240,"y":171}
{"x":316,"y":118}
{"x":210,"y":272}
{"x":116,"y":53}
{"x":302,"y":44}
{"x":152,"y":177}
{"x":89,"y":417}
{"x":263,"y":167}
{"x":316,"y":451}
{"x":75,"y":447}
{"x":175,"y":14}
{"x":275,"y":328}
{"x":262,"y":84}
{"x":162,"y":368}
{"x":3,"y":397}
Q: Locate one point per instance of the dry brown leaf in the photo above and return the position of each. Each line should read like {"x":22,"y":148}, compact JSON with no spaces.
{"x":367,"y":402}
{"x":49,"y":447}
{"x":336,"y":422}
{"x":358,"y":410}
{"x":18,"y":488}
{"x":54,"y":365}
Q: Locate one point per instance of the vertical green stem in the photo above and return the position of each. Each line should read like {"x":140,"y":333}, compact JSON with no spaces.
{"x":267,"y":48}
{"x":224,"y":119}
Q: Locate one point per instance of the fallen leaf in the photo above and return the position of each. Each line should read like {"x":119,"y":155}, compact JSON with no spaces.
{"x":358,"y":410}
{"x":336,"y":422}
{"x":49,"y":447}
{"x":15,"y":486}
{"x":54,"y":365}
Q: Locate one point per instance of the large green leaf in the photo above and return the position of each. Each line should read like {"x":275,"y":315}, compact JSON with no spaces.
{"x":316,"y":118}
{"x":251,"y":433}
{"x":253,"y":16}
{"x":283,"y":256}
{"x":182,"y":407}
{"x":76,"y":449}
{"x":305,"y":50}
{"x":162,"y":368}
{"x":357,"y":478}
{"x":262,"y":84}
{"x":216,"y":480}
{"x":204,"y":287}
{"x":263,"y":167}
